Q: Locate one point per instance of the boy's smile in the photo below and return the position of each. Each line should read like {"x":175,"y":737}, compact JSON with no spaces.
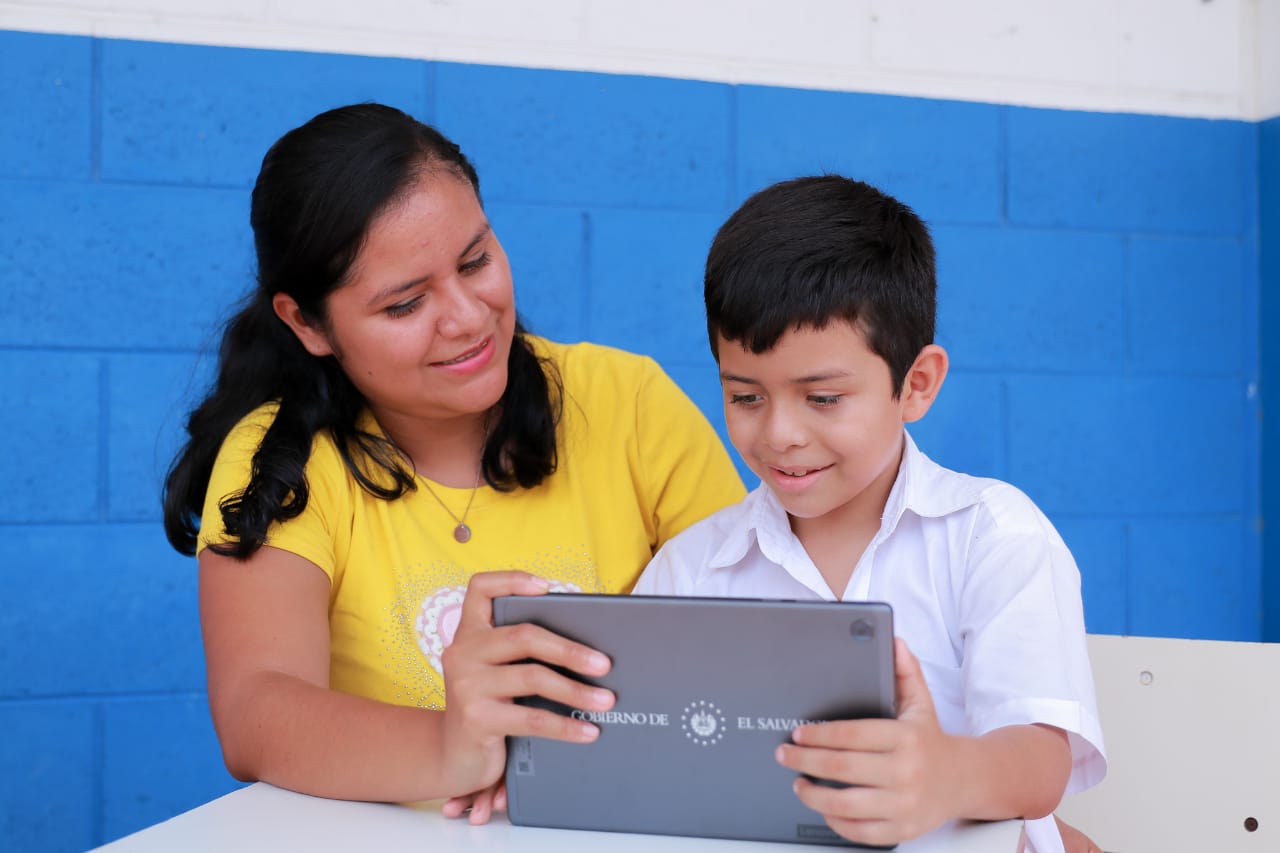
{"x":795,"y":479}
{"x":816,"y":419}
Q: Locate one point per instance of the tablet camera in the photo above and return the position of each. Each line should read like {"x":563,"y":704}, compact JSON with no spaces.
{"x":862,"y":630}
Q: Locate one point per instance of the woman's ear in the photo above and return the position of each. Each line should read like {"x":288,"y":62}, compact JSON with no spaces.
{"x":923,"y":382}
{"x":313,"y":339}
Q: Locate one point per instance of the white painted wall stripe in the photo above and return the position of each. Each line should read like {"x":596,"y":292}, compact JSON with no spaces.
{"x":1266,"y":56}
{"x":1207,"y":58}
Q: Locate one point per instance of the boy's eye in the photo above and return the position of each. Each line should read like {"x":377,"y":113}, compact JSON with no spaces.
{"x":744,"y":399}
{"x":825,"y":400}
{"x":403,"y":309}
{"x":477,"y":263}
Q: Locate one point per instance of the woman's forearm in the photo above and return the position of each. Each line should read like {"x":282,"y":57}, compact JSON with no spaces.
{"x":280,"y":729}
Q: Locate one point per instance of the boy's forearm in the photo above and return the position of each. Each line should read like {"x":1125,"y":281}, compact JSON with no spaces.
{"x":1014,"y":772}
{"x":307,"y":738}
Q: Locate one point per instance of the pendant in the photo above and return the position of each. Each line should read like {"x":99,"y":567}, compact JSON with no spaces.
{"x":462,"y":533}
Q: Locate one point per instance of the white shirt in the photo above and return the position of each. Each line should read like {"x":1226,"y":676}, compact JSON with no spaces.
{"x":983,"y":590}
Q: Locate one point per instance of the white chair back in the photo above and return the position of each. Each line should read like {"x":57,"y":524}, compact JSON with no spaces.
{"x":1192,"y":730}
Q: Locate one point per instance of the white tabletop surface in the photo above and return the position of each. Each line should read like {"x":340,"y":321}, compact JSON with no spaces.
{"x":261,"y":817}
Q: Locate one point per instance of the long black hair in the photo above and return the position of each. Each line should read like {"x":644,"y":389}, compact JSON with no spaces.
{"x":320,"y":187}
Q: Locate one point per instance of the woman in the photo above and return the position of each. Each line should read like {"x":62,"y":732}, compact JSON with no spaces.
{"x":382,"y":434}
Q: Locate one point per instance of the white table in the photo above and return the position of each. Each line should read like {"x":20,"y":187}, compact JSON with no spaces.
{"x":262,"y":818}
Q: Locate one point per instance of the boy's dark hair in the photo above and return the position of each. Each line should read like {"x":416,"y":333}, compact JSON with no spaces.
{"x":320,"y":188}
{"x":811,"y":250}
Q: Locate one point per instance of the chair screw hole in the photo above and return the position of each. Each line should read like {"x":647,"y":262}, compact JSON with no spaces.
{"x":1145,"y":678}
{"x":1251,"y":824}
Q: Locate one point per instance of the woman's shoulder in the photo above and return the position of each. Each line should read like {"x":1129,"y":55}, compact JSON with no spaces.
{"x":605,"y":375}
{"x":243,"y":440}
{"x":259,"y":419}
{"x":588,"y":360}
{"x":246,"y":436}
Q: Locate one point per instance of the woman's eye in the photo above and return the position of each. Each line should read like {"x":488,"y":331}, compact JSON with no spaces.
{"x":403,"y":309}
{"x":476,"y":264}
{"x":824,"y":400}
{"x":744,"y":399}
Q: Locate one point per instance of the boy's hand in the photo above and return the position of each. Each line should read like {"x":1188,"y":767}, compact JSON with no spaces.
{"x":906,"y":771}
{"x":1075,"y":841}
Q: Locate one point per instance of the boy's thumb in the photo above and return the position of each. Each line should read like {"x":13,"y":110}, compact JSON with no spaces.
{"x":913,"y":691}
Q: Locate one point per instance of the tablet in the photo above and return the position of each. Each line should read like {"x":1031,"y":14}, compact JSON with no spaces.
{"x":707,"y":688}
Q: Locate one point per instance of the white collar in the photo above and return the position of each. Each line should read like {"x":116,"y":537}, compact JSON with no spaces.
{"x":922,"y":487}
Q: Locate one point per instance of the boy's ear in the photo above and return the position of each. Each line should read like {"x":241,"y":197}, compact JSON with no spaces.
{"x":923,"y":382}
{"x":314,"y":340}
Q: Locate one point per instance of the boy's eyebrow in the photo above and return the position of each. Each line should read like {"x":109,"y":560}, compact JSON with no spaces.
{"x":393,"y":289}
{"x":726,"y":376}
{"x":821,"y":377}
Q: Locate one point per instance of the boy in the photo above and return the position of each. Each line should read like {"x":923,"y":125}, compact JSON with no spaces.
{"x":820,"y":296}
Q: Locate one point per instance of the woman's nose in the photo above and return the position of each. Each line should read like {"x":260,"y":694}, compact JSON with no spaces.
{"x":463,"y":312}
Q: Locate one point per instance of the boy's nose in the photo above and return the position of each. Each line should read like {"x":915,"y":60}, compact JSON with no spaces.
{"x":782,"y":431}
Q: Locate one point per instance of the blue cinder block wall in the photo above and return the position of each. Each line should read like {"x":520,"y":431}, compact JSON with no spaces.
{"x":1100,"y":297}
{"x":1269,"y":318}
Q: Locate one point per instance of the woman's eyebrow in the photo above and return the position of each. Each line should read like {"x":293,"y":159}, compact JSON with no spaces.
{"x":394,"y":289}
{"x":484,"y":231}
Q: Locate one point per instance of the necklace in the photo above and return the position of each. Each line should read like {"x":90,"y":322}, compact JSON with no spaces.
{"x":461,"y":533}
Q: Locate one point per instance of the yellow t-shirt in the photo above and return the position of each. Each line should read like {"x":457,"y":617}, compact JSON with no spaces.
{"x":638,"y":463}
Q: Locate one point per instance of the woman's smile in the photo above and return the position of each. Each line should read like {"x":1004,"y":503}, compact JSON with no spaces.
{"x":470,"y":361}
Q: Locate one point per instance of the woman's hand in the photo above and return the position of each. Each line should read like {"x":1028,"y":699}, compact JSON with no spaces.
{"x":482,"y":804}
{"x":487,"y":668}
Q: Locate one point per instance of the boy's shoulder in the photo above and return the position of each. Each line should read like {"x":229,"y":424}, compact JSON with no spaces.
{"x":934,"y":490}
{"x":723,"y":534}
